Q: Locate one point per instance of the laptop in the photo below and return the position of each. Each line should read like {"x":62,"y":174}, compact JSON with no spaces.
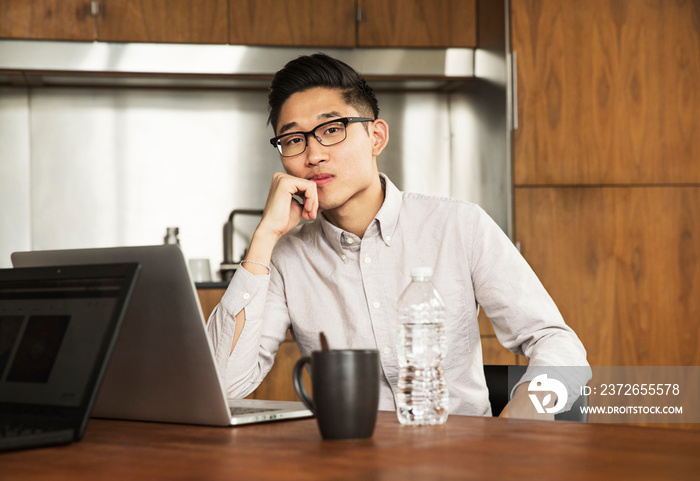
{"x":163,"y":367}
{"x":58,"y":327}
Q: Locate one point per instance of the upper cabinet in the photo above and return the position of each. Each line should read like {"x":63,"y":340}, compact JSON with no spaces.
{"x":178,"y":21}
{"x":354,"y":23}
{"x":308,"y":23}
{"x":297,"y":23}
{"x":607,"y":92}
{"x":416,"y":23}
{"x":47,"y":19}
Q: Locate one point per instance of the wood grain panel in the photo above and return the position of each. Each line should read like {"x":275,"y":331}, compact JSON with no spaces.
{"x":417,"y":23}
{"x":47,"y":20}
{"x":466,"y":447}
{"x":277,"y":385}
{"x":208,"y":299}
{"x":607,"y":91}
{"x":622,"y":264}
{"x":293,"y":23}
{"x":176,"y":21}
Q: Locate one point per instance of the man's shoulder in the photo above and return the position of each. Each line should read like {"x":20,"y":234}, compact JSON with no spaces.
{"x":416,"y":201}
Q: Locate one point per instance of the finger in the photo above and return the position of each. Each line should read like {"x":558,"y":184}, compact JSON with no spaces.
{"x":311,"y":206}
{"x":309,"y":198}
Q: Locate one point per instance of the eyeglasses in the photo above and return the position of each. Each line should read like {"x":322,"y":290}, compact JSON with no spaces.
{"x":328,"y":133}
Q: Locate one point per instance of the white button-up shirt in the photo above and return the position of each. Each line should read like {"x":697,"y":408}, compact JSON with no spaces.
{"x":326,"y":279}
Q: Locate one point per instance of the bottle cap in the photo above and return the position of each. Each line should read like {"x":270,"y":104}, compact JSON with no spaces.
{"x":422,"y":271}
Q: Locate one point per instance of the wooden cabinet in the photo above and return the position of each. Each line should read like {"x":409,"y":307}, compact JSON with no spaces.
{"x":179,"y":21}
{"x":350,"y":23}
{"x":298,"y":23}
{"x":292,"y":22}
{"x":623,"y":265}
{"x":182,"y":21}
{"x":47,"y":20}
{"x":607,"y":92}
{"x":417,"y":23}
{"x":607,"y":171}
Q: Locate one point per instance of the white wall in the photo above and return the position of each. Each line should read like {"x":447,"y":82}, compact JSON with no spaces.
{"x":105,"y":167}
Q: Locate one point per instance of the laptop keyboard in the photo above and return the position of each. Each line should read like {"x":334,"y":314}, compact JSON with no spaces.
{"x":13,"y":430}
{"x":21,"y":422}
{"x":11,"y":426}
{"x":14,"y":436}
{"x":237,"y":411}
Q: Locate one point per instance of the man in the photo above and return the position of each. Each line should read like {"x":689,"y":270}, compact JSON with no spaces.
{"x":343,"y":273}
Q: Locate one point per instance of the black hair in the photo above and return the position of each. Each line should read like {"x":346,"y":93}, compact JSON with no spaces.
{"x":320,"y":70}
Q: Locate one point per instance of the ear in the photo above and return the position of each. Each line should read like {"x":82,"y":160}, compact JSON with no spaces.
{"x":379,"y":134}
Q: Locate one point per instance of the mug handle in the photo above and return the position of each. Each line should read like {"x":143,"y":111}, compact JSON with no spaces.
{"x":299,"y":383}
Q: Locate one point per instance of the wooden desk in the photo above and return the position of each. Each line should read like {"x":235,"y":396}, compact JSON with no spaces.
{"x":464,"y":448}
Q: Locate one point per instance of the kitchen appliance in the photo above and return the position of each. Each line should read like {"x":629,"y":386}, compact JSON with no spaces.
{"x":229,"y":265}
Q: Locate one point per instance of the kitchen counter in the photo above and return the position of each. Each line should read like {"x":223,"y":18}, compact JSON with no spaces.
{"x":211,"y":285}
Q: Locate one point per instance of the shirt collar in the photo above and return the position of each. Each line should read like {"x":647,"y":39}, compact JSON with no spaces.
{"x":386,"y":218}
{"x":388,"y":215}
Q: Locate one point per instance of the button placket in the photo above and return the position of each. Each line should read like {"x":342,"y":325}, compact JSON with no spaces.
{"x":349,"y":247}
{"x":379,"y":317}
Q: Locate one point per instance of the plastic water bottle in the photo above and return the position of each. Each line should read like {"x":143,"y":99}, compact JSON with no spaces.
{"x":422,"y":344}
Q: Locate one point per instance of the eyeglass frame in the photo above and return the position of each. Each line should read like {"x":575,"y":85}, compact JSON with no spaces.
{"x":344,"y":120}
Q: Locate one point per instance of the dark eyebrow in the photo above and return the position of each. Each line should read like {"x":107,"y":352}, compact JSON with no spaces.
{"x":286,"y":127}
{"x":326,"y":115}
{"x":330,"y":115}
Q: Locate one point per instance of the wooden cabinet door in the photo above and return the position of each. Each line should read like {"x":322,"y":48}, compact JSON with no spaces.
{"x":607,"y":91}
{"x":47,"y":20}
{"x":623,"y":266}
{"x":176,"y":21}
{"x":606,"y":170}
{"x":417,"y":23}
{"x":299,"y":23}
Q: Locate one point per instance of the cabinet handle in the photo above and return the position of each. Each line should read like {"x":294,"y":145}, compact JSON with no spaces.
{"x":514,"y":83}
{"x":95,"y":8}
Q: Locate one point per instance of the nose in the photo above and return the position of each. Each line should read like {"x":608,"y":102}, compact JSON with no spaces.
{"x":316,"y":153}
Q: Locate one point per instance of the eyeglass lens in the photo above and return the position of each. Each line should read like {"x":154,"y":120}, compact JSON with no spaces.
{"x":327,"y":134}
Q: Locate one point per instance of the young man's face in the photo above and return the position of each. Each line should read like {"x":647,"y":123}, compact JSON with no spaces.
{"x":343,"y":172}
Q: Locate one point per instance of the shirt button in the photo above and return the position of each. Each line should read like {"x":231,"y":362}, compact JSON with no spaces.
{"x":387,"y":350}
{"x":343,"y":257}
{"x":367,"y":260}
{"x":388,"y":238}
{"x":246,"y":296}
{"x":376,"y":305}
{"x":349,"y":240}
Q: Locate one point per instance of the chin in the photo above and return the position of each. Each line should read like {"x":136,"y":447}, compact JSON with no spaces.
{"x":325,"y":206}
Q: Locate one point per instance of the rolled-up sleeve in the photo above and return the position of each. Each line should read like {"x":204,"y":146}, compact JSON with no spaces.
{"x":242,"y":370}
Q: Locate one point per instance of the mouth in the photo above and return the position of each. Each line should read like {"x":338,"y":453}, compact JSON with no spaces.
{"x":321,"y":179}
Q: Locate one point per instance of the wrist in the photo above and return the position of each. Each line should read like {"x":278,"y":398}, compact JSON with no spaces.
{"x":256,"y":266}
{"x":265,"y":238}
{"x":257,"y":259}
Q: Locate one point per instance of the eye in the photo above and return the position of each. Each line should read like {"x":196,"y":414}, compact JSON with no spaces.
{"x":291,"y":140}
{"x":333,"y":129}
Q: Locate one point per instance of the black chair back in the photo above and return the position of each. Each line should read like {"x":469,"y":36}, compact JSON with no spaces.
{"x":499,"y":385}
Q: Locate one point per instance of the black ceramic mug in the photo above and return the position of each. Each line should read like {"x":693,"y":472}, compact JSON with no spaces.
{"x":345,"y":385}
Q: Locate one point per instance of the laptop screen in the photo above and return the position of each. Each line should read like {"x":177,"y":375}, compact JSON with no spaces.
{"x":55,"y":329}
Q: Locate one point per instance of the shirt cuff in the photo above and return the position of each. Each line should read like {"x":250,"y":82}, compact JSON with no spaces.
{"x":246,"y":291}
